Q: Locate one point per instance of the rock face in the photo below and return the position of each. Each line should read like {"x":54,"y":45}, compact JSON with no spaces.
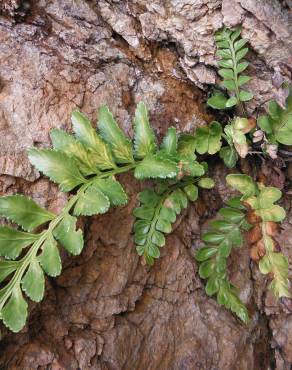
{"x":107,"y":310}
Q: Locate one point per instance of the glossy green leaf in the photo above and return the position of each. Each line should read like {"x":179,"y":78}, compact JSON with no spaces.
{"x":224,"y":53}
{"x":268,"y":196}
{"x":265,"y":124}
{"x":206,"y":268}
{"x":240,"y":44}
{"x":191,"y":167}
{"x":158,"y":238}
{"x":274,"y":213}
{"x":224,"y":44}
{"x":221,"y":264}
{"x":229,"y":84}
{"x":226,"y":73}
{"x":222,"y":225}
{"x":13,"y":241}
{"x":113,"y":190}
{"x":226,"y":63}
{"x":278,"y":124}
{"x":225,"y":248}
{"x":153,"y":251}
{"x":241,"y":54}
{"x":265,"y":265}
{"x":192,"y":192}
{"x":208,"y":138}
{"x":186,"y":146}
{"x":24,"y":211}
{"x":144,"y":139}
{"x":66,"y":143}
{"x":213,"y":237}
{"x":85,"y":133}
{"x":114,"y":136}
{"x":205,"y":253}
{"x":231,"y":102}
{"x":239,"y":137}
{"x":145,"y":213}
{"x":154,"y":166}
{"x":280,"y":285}
{"x":217,"y":101}
{"x":167,"y":214}
{"x":140,"y":239}
{"x":206,"y":183}
{"x":57,"y":166}
{"x":6,"y":268}
{"x":172,"y":202}
{"x":236,"y":237}
{"x":163,"y":225}
{"x":92,"y":202}
{"x":67,"y":235}
{"x":241,"y":67}
{"x":181,"y":198}
{"x":140,"y":249}
{"x":235,"y":202}
{"x":243,"y":183}
{"x":231,"y":214}
{"x":14,"y":313}
{"x":212,"y":286}
{"x":245,"y":95}
{"x":243,"y":80}
{"x":169,"y":144}
{"x":229,"y":156}
{"x":235,"y":34}
{"x":227,"y":298}
{"x":50,"y":259}
{"x":142,"y":226}
{"x":149,"y":197}
{"x":33,"y":282}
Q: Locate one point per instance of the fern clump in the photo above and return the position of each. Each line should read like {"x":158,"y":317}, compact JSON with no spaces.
{"x":87,"y":164}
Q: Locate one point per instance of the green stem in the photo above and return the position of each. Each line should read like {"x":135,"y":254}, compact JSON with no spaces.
{"x":234,"y":62}
{"x":26,"y":260}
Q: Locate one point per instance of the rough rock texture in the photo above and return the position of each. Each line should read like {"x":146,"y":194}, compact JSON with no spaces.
{"x":107,"y":310}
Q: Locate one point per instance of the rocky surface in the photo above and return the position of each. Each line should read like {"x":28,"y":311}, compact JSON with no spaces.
{"x":107,"y":310}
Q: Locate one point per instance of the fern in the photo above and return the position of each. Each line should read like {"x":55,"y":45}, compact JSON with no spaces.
{"x":223,"y":234}
{"x":278,"y":123}
{"x":264,"y":216}
{"x":208,"y":138}
{"x":157,"y":212}
{"x":159,"y":208}
{"x":231,"y":49}
{"x":87,"y":164}
{"x":235,"y":136}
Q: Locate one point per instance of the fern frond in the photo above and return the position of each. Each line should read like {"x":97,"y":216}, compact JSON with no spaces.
{"x":159,"y":209}
{"x":264,"y":216}
{"x":88,"y":164}
{"x":231,"y":49}
{"x":223,"y":234}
